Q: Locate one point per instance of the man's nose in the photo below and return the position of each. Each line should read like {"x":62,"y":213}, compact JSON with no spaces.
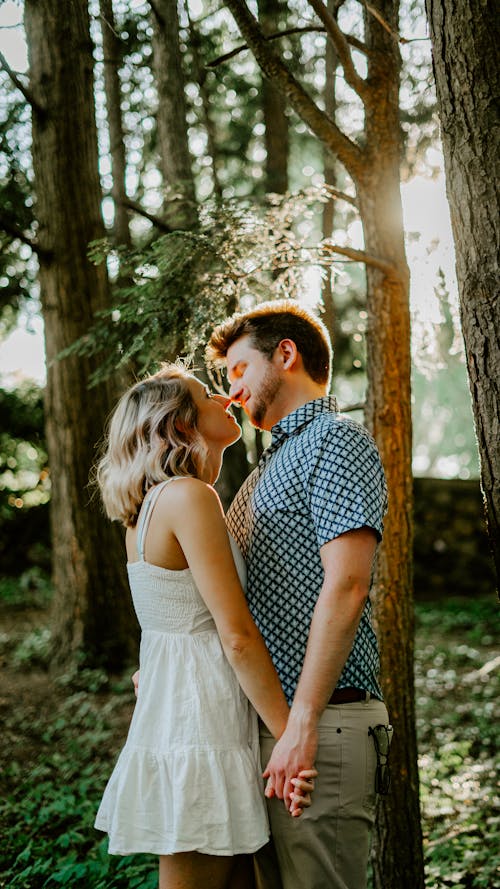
{"x":235,"y":391}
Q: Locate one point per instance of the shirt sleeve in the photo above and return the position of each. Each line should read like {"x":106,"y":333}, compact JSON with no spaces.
{"x":347,"y":482}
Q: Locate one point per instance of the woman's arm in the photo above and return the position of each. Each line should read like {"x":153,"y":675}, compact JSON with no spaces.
{"x":193,"y":512}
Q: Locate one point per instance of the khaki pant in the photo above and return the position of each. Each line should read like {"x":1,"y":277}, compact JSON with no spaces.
{"x":328,"y":846}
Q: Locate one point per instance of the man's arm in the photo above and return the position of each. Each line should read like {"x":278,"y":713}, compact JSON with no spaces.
{"x":347,"y":561}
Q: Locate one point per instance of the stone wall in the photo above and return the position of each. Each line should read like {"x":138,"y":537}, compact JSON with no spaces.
{"x":451,"y":547}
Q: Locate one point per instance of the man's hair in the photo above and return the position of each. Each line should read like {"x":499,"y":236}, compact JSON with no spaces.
{"x":267,"y":325}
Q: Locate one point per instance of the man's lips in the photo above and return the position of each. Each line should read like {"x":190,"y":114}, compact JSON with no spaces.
{"x":241,"y":402}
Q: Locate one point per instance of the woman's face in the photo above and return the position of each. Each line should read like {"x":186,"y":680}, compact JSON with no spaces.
{"x":216,"y":424}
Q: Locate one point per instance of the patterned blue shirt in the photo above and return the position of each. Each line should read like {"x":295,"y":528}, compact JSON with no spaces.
{"x":320,"y":476}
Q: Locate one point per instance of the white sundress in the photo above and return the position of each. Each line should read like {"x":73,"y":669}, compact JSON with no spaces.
{"x":189,"y":776}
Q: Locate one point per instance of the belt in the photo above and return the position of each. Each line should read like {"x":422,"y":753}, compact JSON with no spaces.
{"x":349,"y":696}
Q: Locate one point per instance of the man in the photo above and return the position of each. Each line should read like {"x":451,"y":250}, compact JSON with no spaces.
{"x":307,"y":521}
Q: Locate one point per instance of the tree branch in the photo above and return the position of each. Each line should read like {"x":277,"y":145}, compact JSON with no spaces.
{"x":274,"y":68}
{"x":159,"y":223}
{"x":341,"y":195}
{"x":10,"y":228}
{"x":339,"y":40}
{"x":381,"y":20}
{"x":28,"y":95}
{"x":376,"y":262}
{"x":357,"y":44}
{"x":310,"y":29}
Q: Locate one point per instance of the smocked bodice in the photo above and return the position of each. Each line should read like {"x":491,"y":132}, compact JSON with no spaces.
{"x":168,"y":601}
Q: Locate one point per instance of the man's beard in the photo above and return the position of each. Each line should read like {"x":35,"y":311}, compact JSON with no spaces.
{"x":264,"y":397}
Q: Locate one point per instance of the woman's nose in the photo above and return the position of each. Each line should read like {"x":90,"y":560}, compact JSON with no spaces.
{"x":224,"y":400}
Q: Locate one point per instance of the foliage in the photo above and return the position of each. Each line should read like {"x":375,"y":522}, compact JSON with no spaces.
{"x":24,"y":480}
{"x":50,"y":797}
{"x":49,"y":836}
{"x":17,"y":268}
{"x":457,"y":686}
{"x":226,"y":135}
{"x":185,"y":282}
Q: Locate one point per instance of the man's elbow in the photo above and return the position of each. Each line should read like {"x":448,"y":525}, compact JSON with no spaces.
{"x":353,"y":592}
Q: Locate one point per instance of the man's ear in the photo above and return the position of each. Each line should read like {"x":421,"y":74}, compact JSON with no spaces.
{"x":288,"y":354}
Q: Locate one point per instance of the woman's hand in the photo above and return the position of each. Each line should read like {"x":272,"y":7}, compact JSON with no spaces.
{"x":300,"y":797}
{"x":135,"y":680}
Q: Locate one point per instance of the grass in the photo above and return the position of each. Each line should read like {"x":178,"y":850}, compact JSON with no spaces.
{"x":62,"y":739}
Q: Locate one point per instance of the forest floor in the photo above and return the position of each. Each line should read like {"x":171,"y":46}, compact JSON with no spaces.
{"x":61,"y":736}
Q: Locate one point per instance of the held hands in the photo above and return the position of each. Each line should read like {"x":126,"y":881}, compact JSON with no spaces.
{"x":290,"y":770}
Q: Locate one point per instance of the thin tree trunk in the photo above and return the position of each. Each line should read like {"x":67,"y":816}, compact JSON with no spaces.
{"x":113,"y":52}
{"x":92,"y":609}
{"x":273,"y":107}
{"x":465,"y":39}
{"x":329,"y":172}
{"x":210,"y":128}
{"x":175,"y":159}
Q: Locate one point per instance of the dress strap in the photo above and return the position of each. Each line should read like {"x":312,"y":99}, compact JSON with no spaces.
{"x":146,"y":513}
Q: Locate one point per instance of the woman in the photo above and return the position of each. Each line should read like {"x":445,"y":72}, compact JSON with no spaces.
{"x":187,"y":785}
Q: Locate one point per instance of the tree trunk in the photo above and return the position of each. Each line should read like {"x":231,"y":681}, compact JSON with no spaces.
{"x":273,"y":107}
{"x":171,"y":117}
{"x":92,"y":608}
{"x":465,"y":38}
{"x":397,"y":856}
{"x":330,"y":176}
{"x":112,"y":51}
{"x":201,"y":73}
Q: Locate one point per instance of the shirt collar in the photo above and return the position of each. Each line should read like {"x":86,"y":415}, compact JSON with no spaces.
{"x":293,"y":422}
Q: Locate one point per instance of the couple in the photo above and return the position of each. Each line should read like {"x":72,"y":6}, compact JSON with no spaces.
{"x":187,"y":785}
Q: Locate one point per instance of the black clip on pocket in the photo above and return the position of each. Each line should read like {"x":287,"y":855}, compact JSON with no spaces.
{"x":382,"y":737}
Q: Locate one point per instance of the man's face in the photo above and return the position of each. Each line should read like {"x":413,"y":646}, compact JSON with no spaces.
{"x":255,"y":382}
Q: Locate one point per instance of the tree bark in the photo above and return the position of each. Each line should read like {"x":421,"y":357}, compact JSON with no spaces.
{"x":274,"y":110}
{"x":112,"y":50}
{"x":374,"y":169}
{"x":92,"y":609}
{"x":330,"y":176}
{"x":175,"y":159}
{"x":465,"y":39}
{"x":200,"y":72}
{"x":398,"y":856}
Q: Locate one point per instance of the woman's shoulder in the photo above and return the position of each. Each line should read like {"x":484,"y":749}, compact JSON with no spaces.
{"x":181,"y":491}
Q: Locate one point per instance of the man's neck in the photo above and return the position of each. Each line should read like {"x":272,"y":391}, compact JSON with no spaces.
{"x":292,"y":397}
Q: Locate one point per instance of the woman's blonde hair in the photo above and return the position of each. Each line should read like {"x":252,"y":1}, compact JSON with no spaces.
{"x":152,"y":436}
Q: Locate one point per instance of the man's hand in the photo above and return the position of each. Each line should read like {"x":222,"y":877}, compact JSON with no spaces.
{"x":293,"y":753}
{"x":135,"y":680}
